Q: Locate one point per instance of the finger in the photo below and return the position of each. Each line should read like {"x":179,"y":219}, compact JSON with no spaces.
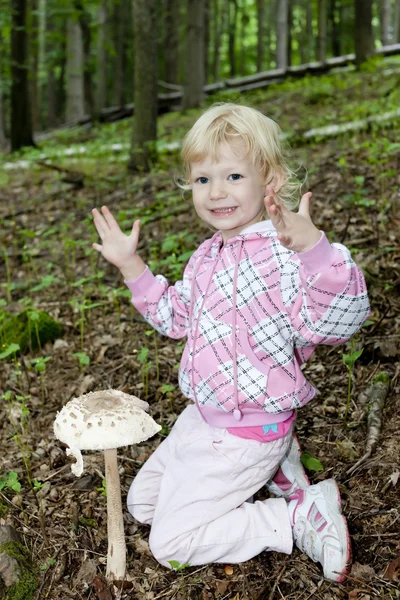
{"x":304,"y":206}
{"x":97,"y":247}
{"x":99,"y":223}
{"x":111,"y":222}
{"x":285,"y":240}
{"x":136,"y":227}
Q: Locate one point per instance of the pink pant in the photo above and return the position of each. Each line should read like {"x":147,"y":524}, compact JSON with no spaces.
{"x":193,"y":492}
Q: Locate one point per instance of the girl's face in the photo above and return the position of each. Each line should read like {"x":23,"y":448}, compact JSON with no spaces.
{"x":231,"y":183}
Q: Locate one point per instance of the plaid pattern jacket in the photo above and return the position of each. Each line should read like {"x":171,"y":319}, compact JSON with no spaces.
{"x":253,"y":312}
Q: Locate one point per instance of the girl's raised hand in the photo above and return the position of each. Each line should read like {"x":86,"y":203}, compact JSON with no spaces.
{"x":116,"y":247}
{"x":296,"y":231}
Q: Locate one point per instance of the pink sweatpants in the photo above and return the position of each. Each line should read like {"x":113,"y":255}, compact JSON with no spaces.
{"x":193,"y":491}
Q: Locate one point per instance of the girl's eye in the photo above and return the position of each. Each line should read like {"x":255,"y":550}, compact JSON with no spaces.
{"x":202,"y":180}
{"x":235,"y":176}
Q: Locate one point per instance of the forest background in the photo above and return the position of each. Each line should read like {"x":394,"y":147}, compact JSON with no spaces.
{"x":72,"y":74}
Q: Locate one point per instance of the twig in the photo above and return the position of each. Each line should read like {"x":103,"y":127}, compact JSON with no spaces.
{"x":377,"y":395}
{"x":281,"y":572}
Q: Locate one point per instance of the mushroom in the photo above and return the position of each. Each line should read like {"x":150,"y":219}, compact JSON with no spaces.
{"x":106,"y":420}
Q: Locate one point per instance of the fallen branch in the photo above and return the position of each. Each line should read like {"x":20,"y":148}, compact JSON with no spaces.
{"x":376,"y":394}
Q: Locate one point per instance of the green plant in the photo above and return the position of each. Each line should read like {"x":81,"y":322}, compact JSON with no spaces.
{"x":143,"y":359}
{"x":154,"y":334}
{"x":82,"y":307}
{"x":103,"y":488}
{"x":10,"y":482}
{"x":83,"y":359}
{"x":40,"y":367}
{"x":349,"y":360}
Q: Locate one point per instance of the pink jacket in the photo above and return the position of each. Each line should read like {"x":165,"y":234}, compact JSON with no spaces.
{"x":253,"y":312}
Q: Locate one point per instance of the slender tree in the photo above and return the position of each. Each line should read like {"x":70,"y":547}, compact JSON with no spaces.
{"x":363,"y":36}
{"x":396,"y":22}
{"x":194,"y":79}
{"x":21,"y":121}
{"x":101,"y":87}
{"x":171,"y":45}
{"x":144,"y":132}
{"x":282,"y":34}
{"x":74,"y":69}
{"x":334,"y":8}
{"x":233,"y":13}
{"x":260,"y":33}
{"x":322,"y":21}
{"x":385,"y":20}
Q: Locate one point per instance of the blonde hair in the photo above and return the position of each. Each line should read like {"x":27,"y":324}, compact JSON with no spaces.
{"x":243,"y":126}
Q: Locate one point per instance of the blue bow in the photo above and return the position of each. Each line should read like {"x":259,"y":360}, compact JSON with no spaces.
{"x":267,"y":428}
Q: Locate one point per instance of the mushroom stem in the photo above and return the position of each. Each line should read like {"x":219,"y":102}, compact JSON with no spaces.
{"x":116,"y":556}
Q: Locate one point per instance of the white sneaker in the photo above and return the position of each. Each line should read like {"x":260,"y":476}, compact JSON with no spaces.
{"x":291,"y":475}
{"x":320,"y":529}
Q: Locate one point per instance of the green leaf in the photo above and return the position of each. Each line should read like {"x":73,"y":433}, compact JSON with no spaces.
{"x":167,"y":388}
{"x":11,"y":349}
{"x":175,"y":564}
{"x":311,"y":463}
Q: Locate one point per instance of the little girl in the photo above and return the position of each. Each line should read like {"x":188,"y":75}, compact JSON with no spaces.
{"x":254,"y":301}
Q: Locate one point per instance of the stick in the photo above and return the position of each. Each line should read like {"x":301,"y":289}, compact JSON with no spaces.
{"x":377,"y":394}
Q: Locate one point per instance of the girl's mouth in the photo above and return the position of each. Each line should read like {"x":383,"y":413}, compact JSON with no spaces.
{"x":222,"y":212}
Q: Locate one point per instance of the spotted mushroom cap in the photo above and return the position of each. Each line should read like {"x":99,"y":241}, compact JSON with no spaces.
{"x":103,"y":420}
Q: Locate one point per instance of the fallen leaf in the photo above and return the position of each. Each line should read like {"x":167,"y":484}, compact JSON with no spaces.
{"x":362,"y":572}
{"x":221,"y":586}
{"x":393,"y":570}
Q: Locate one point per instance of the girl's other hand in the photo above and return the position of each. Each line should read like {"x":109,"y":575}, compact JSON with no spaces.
{"x":116,"y":247}
{"x":296,"y":231}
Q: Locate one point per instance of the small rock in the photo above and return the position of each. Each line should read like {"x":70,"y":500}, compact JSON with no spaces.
{"x":60,"y":345}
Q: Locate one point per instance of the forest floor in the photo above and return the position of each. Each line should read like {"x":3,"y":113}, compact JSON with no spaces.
{"x":47,"y":234}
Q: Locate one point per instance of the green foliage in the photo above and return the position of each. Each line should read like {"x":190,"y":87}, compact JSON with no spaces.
{"x":311,"y":463}
{"x":177,"y":566}
{"x":30,"y":330}
{"x":10,"y":482}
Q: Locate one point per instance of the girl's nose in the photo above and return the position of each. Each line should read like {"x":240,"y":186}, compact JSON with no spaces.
{"x":217,"y":191}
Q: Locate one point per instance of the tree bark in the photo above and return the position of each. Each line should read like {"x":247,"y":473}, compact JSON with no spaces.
{"x":396,"y":22}
{"x":309,"y":32}
{"x":101,"y":88}
{"x":145,"y":84}
{"x":172,"y":42}
{"x":207,"y":22}
{"x":282,"y":34}
{"x":85,"y":22}
{"x":335,"y":33}
{"x":21,"y":121}
{"x":363,"y":37}
{"x":322,"y":22}
{"x":385,"y":20}
{"x":122,"y":21}
{"x":260,"y":33}
{"x":289,"y":33}
{"x":3,"y":139}
{"x":41,"y":70}
{"x":233,"y":11}
{"x":194,"y":80}
{"x":75,"y":109}
{"x":244,"y":21}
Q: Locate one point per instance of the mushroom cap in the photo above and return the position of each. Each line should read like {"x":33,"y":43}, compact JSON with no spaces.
{"x":104,"y":420}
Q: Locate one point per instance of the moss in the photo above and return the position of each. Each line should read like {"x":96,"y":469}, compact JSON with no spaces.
{"x":24,"y":331}
{"x":382,"y":378}
{"x":87,"y":522}
{"x":25,"y":588}
{"x":3,"y":510}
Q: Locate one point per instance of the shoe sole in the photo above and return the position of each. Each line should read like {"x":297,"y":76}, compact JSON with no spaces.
{"x":334,"y":505}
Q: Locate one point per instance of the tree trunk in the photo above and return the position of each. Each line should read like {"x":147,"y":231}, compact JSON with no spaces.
{"x":244,"y":21}
{"x":85,"y":22}
{"x":335,"y":33}
{"x":144,"y":133}
{"x":322,"y":21}
{"x":309,"y":50}
{"x":75,"y":109}
{"x":396,"y":23}
{"x":282,"y":34}
{"x":32,"y":26}
{"x":194,"y":81}
{"x":289,"y":33}
{"x":385,"y":20}
{"x":41,"y":71}
{"x":363,"y":38}
{"x":101,"y":88}
{"x":122,"y":19}
{"x":21,"y":122}
{"x":172,"y":42}
{"x":233,"y":11}
{"x":3,"y":139}
{"x":207,"y":22}
{"x":260,"y":33}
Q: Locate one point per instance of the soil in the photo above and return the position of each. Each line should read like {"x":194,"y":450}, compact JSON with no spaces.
{"x":68,"y":542}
